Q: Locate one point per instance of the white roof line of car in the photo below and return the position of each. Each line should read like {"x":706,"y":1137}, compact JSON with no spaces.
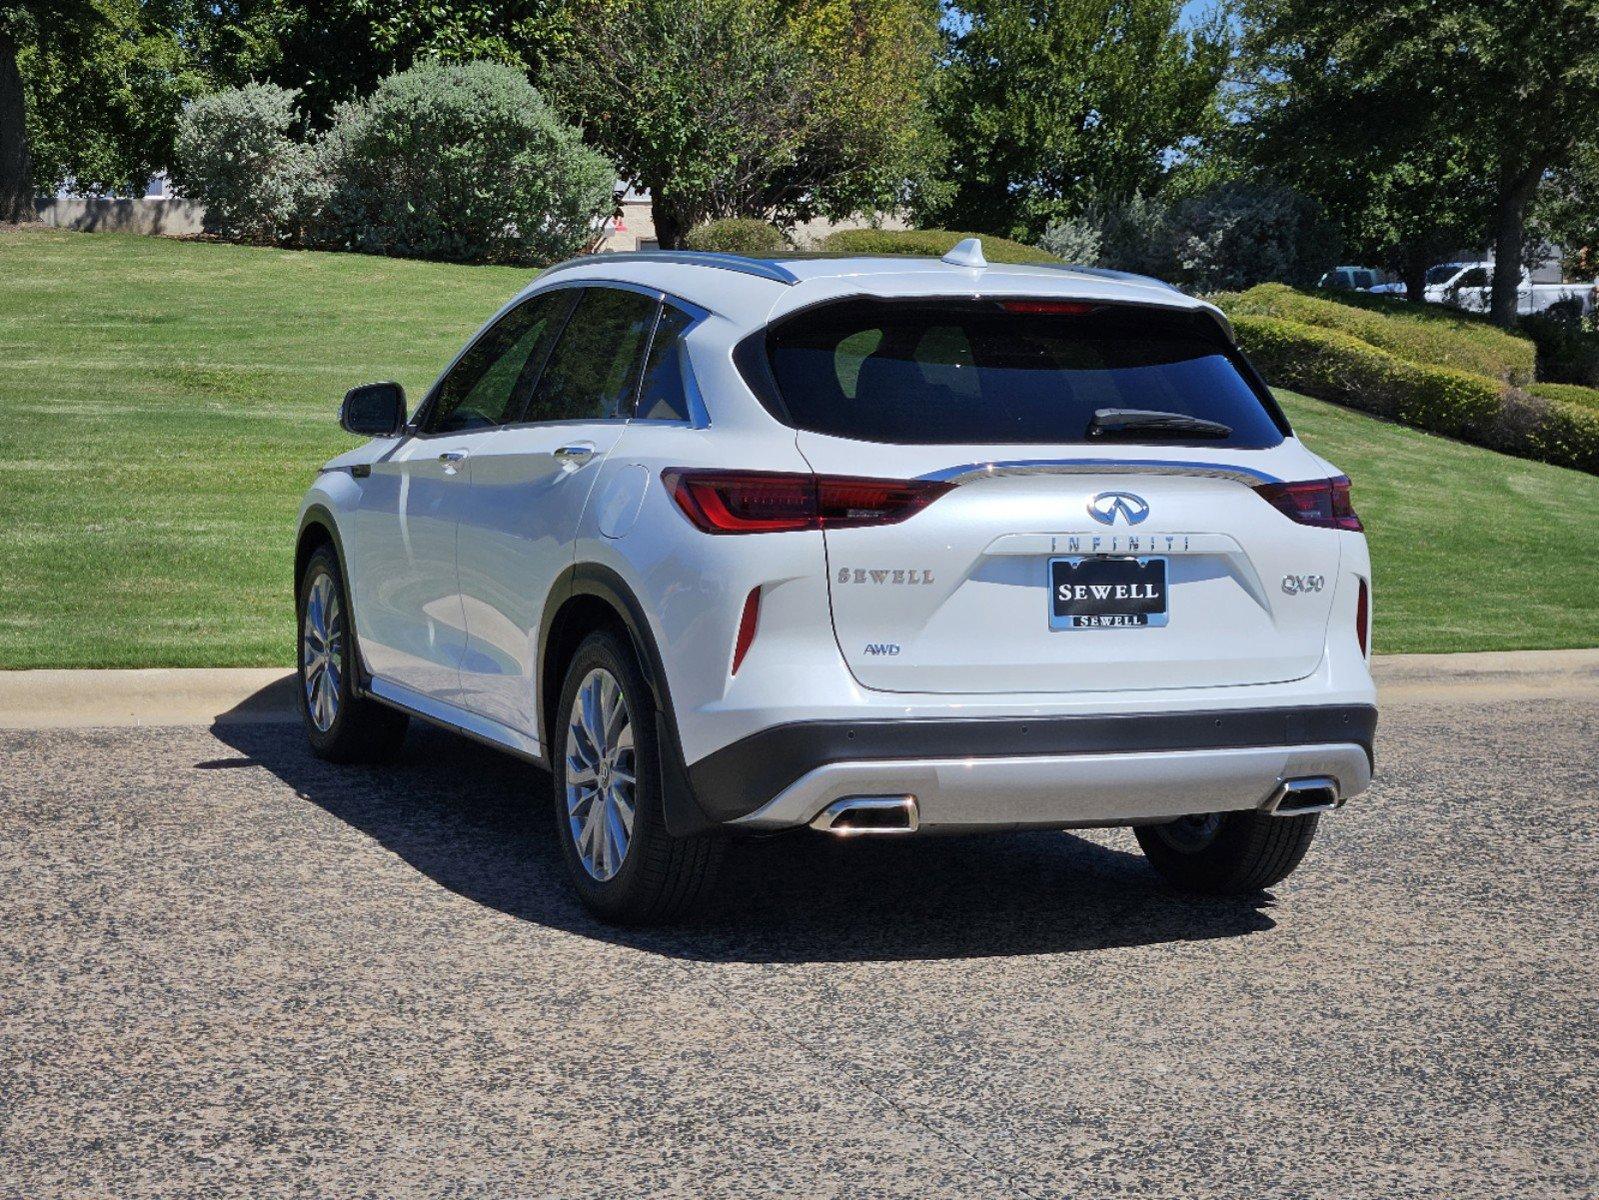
{"x":774,"y":269}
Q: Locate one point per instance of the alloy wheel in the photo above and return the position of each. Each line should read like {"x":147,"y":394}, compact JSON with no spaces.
{"x":601,"y":782}
{"x":322,"y":652}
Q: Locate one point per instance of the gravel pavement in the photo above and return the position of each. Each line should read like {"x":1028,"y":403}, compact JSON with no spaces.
{"x":227,"y":969}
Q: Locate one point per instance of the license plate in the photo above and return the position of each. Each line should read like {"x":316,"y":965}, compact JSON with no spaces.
{"x":1107,"y":593}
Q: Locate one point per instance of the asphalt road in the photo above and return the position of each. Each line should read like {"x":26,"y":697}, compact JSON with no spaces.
{"x":228,"y":969}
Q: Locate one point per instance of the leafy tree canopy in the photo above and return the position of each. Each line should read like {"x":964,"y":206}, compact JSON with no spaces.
{"x":1042,"y":101}
{"x":1451,"y":113}
{"x":775,"y":109}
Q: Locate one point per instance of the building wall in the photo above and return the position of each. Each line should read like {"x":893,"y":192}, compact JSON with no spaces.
{"x":146,"y":215}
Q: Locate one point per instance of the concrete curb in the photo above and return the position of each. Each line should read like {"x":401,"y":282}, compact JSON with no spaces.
{"x":61,"y":699}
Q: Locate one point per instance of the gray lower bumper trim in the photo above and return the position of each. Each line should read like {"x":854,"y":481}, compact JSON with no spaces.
{"x":1061,"y":790}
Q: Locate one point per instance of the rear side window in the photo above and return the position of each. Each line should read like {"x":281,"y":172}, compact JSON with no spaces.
{"x":661,"y":397}
{"x":918,"y":372}
{"x":593,"y":371}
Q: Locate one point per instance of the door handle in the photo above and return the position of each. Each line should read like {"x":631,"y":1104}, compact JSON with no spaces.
{"x":452,"y":460}
{"x":577,"y":453}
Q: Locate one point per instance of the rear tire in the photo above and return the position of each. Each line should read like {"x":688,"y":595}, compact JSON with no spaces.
{"x":1227,"y":854}
{"x":341,"y":724}
{"x":609,"y":819}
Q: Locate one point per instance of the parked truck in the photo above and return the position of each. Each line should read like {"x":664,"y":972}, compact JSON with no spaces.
{"x":1469,"y":285}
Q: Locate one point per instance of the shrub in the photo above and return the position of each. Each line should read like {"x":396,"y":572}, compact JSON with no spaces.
{"x":1431,"y":334}
{"x":737,"y":235}
{"x":1077,"y":240}
{"x":1336,"y":366}
{"x":1568,"y":393}
{"x":934,"y":242}
{"x":1235,"y":236}
{"x":461,"y":163}
{"x":235,"y":156}
{"x":1568,"y":350}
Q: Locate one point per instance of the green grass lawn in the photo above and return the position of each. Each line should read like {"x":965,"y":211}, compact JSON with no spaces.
{"x":164,"y":404}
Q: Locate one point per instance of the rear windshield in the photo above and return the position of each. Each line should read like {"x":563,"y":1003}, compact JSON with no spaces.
{"x":954,"y":371}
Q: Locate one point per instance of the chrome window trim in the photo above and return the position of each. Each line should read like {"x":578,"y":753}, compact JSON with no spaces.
{"x":1098,"y":466}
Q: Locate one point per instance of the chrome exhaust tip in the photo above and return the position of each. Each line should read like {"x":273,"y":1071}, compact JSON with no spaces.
{"x":1296,"y":797}
{"x":859,"y":815}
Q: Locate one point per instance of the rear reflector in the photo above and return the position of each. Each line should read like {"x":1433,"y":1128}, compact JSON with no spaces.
{"x":1363,"y":618}
{"x":771,"y":501}
{"x":746,"y":628}
{"x":1323,"y":503}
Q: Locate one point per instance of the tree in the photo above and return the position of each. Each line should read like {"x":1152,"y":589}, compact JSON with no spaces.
{"x":1043,"y":101}
{"x":752,"y":108}
{"x":90,"y":91}
{"x":1400,"y":181}
{"x":1479,"y":98}
{"x":339,"y":50}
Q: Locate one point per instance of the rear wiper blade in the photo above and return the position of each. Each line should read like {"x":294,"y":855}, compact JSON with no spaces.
{"x":1111,"y":422}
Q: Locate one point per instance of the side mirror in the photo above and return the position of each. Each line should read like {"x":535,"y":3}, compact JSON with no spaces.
{"x":374,"y":410}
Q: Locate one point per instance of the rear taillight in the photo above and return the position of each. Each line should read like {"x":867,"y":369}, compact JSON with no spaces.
{"x":1323,"y":503}
{"x":1363,"y":618}
{"x":771,"y":501}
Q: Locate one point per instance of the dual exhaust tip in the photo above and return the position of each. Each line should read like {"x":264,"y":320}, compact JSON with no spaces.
{"x":856,"y":816}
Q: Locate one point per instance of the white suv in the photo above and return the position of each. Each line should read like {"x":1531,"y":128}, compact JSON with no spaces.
{"x":870,"y":545}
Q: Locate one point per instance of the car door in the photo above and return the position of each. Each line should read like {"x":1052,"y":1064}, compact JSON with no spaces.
{"x":529,"y":486}
{"x":406,"y":591}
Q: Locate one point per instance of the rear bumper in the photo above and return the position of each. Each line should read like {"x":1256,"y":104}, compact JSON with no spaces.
{"x":1054,"y":791}
{"x":1036,"y":772}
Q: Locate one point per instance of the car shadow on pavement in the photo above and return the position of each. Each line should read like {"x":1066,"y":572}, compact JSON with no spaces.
{"x":478,"y":823}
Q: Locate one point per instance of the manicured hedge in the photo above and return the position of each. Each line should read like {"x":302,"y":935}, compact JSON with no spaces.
{"x":1339,"y":367}
{"x":934,"y":242}
{"x":740,"y":235}
{"x":1568,"y":393}
{"x":1418,"y":333}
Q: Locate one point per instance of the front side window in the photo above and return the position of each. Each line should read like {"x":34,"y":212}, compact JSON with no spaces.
{"x":488,"y":386}
{"x":662,"y":396}
{"x":952,"y":371}
{"x":593,"y":372}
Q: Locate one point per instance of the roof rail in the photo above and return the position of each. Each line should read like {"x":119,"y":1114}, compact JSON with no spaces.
{"x":760,"y":267}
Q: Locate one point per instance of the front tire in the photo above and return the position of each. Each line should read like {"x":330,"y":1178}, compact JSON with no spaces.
{"x":1227,"y":854}
{"x":627,"y":868}
{"x":342,"y":725}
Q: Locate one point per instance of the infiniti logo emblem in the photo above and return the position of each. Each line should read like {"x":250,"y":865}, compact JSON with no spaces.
{"x":1107,"y":506}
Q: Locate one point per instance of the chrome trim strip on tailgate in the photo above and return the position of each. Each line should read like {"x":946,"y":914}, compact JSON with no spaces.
{"x":1098,"y":466}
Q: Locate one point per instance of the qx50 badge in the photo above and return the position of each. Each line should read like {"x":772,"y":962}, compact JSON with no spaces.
{"x":1294,"y":585}
{"x":1107,"y":506}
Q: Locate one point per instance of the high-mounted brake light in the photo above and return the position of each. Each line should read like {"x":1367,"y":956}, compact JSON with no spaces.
{"x":1061,"y":308}
{"x":1323,"y":503}
{"x":774,"y":502}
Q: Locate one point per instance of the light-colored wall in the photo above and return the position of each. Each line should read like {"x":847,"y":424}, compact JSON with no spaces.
{"x":146,"y":215}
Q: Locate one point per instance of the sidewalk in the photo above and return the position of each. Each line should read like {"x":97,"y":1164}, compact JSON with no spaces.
{"x":249,"y":695}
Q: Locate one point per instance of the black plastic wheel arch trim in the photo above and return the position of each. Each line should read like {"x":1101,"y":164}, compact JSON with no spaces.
{"x":739,"y":778}
{"x":684,"y":814}
{"x":318,"y":515}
